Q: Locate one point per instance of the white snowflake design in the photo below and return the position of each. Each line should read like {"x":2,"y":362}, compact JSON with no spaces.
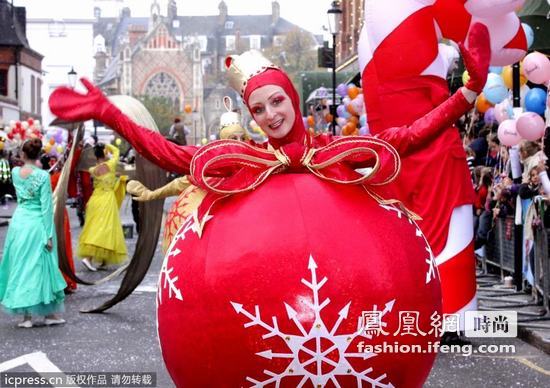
{"x":166,"y":271}
{"x":430,"y":260}
{"x":312,"y":368}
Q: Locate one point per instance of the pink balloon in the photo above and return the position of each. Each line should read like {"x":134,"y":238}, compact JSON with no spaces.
{"x":489,"y":8}
{"x":536,"y":67}
{"x":530,"y":126}
{"x":507,"y":133}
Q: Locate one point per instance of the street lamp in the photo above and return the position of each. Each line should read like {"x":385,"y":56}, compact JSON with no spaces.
{"x":334,"y":15}
{"x":72,"y":77}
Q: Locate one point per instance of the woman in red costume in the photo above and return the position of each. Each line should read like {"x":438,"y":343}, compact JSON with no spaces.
{"x":295,"y":236}
{"x":264,"y":94}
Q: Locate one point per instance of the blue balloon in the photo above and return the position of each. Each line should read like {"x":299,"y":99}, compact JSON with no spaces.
{"x":341,"y":111}
{"x":529,"y":34}
{"x":535,"y":101}
{"x":495,"y":91}
{"x":495,"y":69}
{"x":363,"y":120}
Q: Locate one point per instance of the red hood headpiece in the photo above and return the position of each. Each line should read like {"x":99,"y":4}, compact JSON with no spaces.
{"x":250,"y":71}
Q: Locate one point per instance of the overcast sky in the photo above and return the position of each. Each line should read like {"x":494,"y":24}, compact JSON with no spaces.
{"x":308,"y":14}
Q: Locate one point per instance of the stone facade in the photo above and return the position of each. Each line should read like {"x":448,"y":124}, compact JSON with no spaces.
{"x":180,"y":57}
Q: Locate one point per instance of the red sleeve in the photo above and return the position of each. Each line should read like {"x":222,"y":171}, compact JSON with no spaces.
{"x":150,"y":144}
{"x":409,"y":139}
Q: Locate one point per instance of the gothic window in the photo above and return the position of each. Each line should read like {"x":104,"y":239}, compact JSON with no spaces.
{"x":164,"y":85}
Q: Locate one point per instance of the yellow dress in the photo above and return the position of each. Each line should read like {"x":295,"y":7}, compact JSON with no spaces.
{"x":102,"y":238}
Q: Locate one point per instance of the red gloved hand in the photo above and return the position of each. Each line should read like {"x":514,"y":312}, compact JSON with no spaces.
{"x":477,"y":56}
{"x":70,"y":105}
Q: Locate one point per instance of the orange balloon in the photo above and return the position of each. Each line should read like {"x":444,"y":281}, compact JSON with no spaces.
{"x":352,"y":125}
{"x":353,"y":91}
{"x":482,"y":105}
{"x":354,"y":119}
{"x":310,"y":121}
{"x":351,"y":109}
{"x":188,"y":108}
{"x":508,"y":77}
{"x":328,"y":118}
{"x":52,"y":141}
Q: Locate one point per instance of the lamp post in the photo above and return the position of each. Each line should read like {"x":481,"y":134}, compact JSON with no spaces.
{"x":334,"y":15}
{"x":71,"y":75}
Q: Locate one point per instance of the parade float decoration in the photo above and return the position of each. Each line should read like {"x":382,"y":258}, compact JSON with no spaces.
{"x":295,"y":282}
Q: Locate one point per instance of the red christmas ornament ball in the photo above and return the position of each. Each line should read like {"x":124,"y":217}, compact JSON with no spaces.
{"x":283,"y":283}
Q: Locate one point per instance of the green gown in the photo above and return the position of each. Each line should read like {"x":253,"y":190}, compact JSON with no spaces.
{"x":30,"y":280}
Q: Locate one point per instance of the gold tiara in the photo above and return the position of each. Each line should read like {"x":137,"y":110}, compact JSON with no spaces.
{"x":240,"y":68}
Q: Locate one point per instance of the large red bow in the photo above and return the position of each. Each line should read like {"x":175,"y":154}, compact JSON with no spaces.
{"x":243,"y":167}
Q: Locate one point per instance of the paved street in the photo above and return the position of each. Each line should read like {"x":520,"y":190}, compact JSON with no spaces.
{"x":124,"y":340}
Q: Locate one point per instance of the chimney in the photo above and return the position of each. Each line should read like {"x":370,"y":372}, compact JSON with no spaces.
{"x":275,"y":12}
{"x":172,"y":11}
{"x":21,"y":19}
{"x":222,"y":7}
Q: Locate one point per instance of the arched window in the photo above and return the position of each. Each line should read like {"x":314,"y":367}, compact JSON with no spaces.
{"x":164,"y":85}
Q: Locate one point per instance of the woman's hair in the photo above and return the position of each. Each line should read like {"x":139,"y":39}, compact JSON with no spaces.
{"x":99,"y":150}
{"x":31,"y":148}
{"x":529,"y":147}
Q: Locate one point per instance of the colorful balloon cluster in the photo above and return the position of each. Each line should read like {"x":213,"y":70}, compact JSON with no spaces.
{"x":18,"y":131}
{"x":351,"y":117}
{"x":55,"y":142}
{"x":496,"y":106}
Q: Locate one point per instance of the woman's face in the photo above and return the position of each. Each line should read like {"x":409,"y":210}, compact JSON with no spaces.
{"x":272,"y":110}
{"x":534,"y":177}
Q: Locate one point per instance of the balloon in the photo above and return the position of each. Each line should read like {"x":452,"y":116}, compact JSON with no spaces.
{"x":530,"y":126}
{"x":529,"y":34}
{"x":489,"y":116}
{"x":537,"y":68}
{"x":364,"y":131}
{"x":353,"y":91}
{"x":482,"y":104}
{"x":118,"y":141}
{"x":494,"y":90}
{"x":535,"y":101}
{"x":351,"y":109}
{"x":341,"y":121}
{"x":47,"y":148}
{"x":465,"y":77}
{"x":24,"y":124}
{"x":341,"y":111}
{"x":30,"y":120}
{"x":354,"y":119}
{"x":51,"y":141}
{"x":507,"y":133}
{"x":204,"y":140}
{"x":363,"y":120}
{"x":310,"y":121}
{"x":503,"y":111}
{"x":495,"y":69}
{"x":328,"y":118}
{"x":508,"y":77}
{"x":187,"y":108}
{"x":342,"y":90}
{"x":59,"y":148}
{"x":491,"y":8}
